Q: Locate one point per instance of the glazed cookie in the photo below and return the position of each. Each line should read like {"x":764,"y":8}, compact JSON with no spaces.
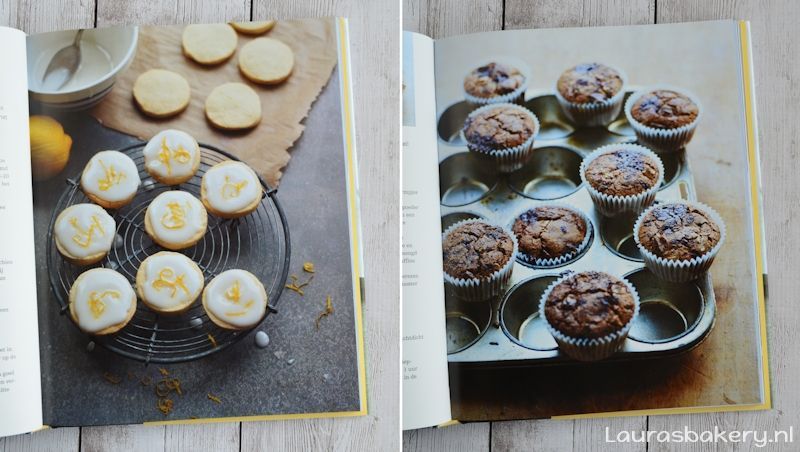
{"x":254,"y":28}
{"x":110,"y":179}
{"x":233,"y":106}
{"x":235,"y":300}
{"x":172,"y":157}
{"x":175,"y":220}
{"x":84,"y":233}
{"x":160,"y":93}
{"x":266,"y":60}
{"x":169,"y":282}
{"x":101,"y":301}
{"x":209,"y":43}
{"x":230,"y":189}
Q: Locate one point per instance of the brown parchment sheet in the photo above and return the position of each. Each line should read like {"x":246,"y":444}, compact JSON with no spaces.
{"x":284,"y":107}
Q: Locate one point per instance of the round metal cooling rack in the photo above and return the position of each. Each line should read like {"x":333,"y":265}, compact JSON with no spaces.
{"x":258,"y":242}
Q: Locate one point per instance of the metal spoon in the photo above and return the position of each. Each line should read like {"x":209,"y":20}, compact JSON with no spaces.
{"x":63,"y":65}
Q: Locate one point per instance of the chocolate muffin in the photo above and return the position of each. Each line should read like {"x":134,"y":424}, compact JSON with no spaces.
{"x":678,"y":232}
{"x":590,"y":305}
{"x":664,"y":109}
{"x":622,"y":172}
{"x":493,"y":80}
{"x":549,"y":232}
{"x":589,"y":83}
{"x":499,"y":127}
{"x":476,"y":250}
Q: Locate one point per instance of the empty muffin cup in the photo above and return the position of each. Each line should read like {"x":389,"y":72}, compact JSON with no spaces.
{"x":453,"y":218}
{"x":465,"y":323}
{"x":519,"y":314}
{"x":672,"y":167}
{"x":464,"y":178}
{"x":451,"y":121}
{"x":551,"y":173}
{"x":667,"y":310}
{"x":617,"y":235}
{"x":620,"y":125}
{"x":553,"y":123}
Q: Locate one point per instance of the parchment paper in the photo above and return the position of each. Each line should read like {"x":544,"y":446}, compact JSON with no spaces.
{"x":284,"y":107}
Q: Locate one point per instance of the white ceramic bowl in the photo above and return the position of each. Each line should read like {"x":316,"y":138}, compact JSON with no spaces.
{"x":106,"y":52}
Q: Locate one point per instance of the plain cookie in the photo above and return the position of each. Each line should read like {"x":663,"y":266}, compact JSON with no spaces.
{"x":161,"y":93}
{"x":209,"y":44}
{"x":254,"y":28}
{"x":266,"y":60}
{"x":233,"y":106}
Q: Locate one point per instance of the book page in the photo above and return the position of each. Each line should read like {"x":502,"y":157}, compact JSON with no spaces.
{"x":286,"y":342}
{"x":718,"y":309}
{"x":426,"y":395}
{"x":20,"y":393}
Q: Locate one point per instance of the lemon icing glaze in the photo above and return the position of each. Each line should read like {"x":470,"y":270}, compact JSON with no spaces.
{"x":170,"y":280}
{"x":85,"y":230}
{"x":101,"y":298}
{"x":231,"y":186}
{"x":111,"y":176}
{"x":177,"y":216}
{"x":171,"y":153}
{"x":236,"y":297}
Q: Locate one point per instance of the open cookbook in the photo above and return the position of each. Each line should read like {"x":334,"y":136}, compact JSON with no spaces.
{"x":180,"y":226}
{"x":582,"y":225}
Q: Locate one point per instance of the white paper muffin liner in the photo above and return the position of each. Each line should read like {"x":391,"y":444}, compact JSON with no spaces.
{"x":561,"y":260}
{"x":612,"y":205}
{"x":680,"y":270}
{"x":595,"y":113}
{"x":585,"y":349}
{"x":663,"y":140}
{"x":509,"y":159}
{"x":475,"y":289}
{"x":514,"y":97}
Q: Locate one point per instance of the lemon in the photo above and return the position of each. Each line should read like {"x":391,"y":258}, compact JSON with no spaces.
{"x":50,"y":147}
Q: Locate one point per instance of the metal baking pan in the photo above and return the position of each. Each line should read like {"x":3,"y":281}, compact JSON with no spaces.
{"x":507,"y":330}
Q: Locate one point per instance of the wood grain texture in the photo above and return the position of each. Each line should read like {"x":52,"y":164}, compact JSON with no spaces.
{"x":66,"y":439}
{"x":375,"y":61}
{"x":122,"y":438}
{"x":474,"y":437}
{"x":577,"y":13}
{"x":775,"y":65}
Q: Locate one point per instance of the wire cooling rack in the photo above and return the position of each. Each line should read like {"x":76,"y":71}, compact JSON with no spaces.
{"x":258,"y":242}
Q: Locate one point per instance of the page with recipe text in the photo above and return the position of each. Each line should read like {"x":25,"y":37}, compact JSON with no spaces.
{"x":426,"y":397}
{"x":20,"y":393}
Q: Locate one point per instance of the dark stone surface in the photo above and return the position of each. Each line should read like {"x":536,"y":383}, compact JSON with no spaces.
{"x":302,"y":370}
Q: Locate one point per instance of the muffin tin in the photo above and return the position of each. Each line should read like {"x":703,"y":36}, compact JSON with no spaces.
{"x":507,"y":330}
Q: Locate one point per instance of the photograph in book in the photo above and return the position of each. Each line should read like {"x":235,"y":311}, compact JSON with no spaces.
{"x":195,"y":223}
{"x":600,"y":221}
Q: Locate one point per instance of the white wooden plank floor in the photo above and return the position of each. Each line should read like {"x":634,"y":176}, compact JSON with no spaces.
{"x":775,"y":47}
{"x":375,"y":54}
